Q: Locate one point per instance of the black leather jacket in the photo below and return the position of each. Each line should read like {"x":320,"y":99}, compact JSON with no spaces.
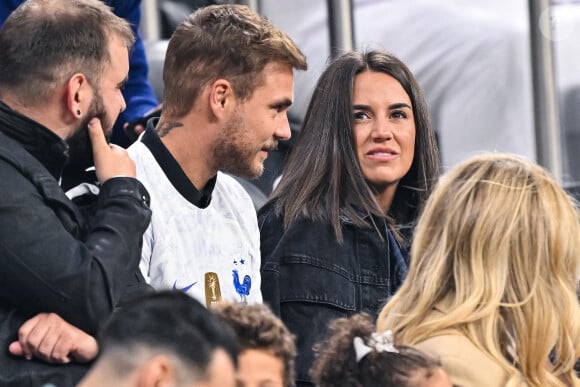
{"x":51,"y":258}
{"x":309,"y":279}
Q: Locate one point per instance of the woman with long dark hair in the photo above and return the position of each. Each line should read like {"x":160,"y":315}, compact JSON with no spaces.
{"x":335,"y":231}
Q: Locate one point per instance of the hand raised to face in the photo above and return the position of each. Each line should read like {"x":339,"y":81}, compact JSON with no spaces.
{"x":110,"y":160}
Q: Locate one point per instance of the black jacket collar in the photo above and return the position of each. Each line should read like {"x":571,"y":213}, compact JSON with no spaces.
{"x":43,"y":144}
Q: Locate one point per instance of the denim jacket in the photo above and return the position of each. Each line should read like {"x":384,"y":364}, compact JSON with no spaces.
{"x":310,"y":279}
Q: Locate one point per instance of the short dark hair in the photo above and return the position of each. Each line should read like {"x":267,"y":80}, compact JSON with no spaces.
{"x":168,"y":322}
{"x":45,"y":42}
{"x":257,"y":327}
{"x":222,"y":41}
{"x":335,"y":361}
{"x":322,"y":179}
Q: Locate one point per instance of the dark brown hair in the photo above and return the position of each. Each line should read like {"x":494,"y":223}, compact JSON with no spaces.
{"x":44,"y":42}
{"x":335,"y":361}
{"x":322,"y":179}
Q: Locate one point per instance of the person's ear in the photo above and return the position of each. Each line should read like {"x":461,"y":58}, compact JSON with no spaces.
{"x":222,"y":98}
{"x":158,"y":371}
{"x":79,"y":94}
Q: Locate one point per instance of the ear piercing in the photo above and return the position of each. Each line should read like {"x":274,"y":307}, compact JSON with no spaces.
{"x":78,"y":112}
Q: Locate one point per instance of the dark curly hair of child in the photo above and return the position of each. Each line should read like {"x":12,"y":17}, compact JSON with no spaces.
{"x":373,"y":361}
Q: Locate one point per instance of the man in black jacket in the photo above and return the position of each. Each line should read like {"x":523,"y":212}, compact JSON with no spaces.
{"x":63,"y":64}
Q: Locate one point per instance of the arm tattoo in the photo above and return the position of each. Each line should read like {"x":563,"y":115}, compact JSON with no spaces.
{"x":166,"y":127}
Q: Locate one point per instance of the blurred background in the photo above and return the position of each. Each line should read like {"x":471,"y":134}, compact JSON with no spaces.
{"x":499,"y":75}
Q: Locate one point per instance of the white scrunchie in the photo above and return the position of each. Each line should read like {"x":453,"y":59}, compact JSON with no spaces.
{"x":380,"y":342}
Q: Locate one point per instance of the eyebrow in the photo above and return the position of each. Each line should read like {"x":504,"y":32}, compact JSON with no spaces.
{"x":123,"y":82}
{"x":286,"y":102}
{"x":391,"y":107}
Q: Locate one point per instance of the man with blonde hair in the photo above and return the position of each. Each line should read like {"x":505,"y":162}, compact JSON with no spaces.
{"x":228,"y":77}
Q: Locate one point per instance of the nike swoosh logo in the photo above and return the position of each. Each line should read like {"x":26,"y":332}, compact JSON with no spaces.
{"x":185,"y":289}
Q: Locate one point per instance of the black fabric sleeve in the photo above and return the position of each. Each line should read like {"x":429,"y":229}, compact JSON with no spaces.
{"x":50,"y":264}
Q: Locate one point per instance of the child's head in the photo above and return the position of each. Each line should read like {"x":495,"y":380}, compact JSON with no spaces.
{"x":357,"y":356}
{"x":266,"y":346}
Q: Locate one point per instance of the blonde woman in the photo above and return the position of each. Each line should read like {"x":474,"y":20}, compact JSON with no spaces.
{"x":493,"y":277}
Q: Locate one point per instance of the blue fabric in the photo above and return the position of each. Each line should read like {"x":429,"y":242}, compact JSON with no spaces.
{"x":400,"y":260}
{"x":138,"y":93}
